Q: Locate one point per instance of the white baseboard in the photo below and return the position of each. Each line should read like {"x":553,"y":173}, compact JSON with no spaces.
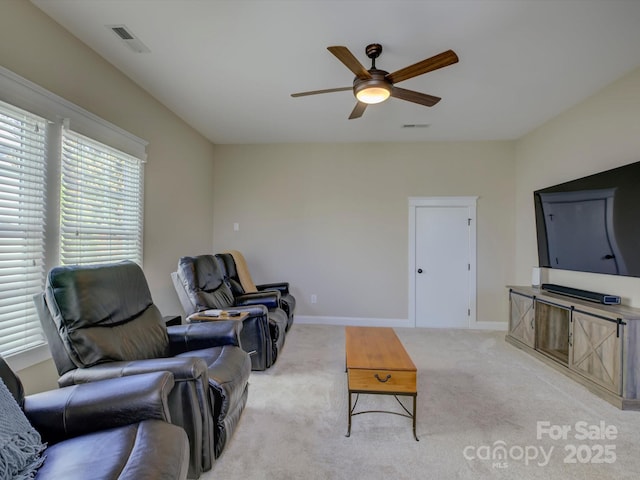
{"x":382,"y":322}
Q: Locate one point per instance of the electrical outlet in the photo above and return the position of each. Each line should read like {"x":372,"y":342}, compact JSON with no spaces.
{"x":314,"y":298}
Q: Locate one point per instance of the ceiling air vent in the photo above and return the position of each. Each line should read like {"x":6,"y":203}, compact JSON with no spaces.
{"x":416,"y":125}
{"x":129,"y":38}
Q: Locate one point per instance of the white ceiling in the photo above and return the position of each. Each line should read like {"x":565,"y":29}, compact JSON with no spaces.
{"x":228,"y":67}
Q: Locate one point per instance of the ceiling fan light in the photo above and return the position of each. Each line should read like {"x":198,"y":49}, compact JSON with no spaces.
{"x":373,"y":95}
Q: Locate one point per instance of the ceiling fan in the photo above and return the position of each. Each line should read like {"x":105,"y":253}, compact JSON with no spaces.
{"x":375,"y":86}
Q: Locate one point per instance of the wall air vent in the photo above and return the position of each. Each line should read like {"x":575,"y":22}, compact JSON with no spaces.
{"x":129,"y":38}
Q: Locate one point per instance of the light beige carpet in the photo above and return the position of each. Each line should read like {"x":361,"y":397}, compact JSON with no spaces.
{"x":485,"y":410}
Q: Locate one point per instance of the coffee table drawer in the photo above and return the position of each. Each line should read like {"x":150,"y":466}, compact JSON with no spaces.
{"x":382,"y":380}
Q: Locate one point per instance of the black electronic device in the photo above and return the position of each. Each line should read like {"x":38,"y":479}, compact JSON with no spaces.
{"x":591,"y":224}
{"x":603,"y":298}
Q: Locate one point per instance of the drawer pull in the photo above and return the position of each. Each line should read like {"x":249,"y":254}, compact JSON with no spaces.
{"x":381,"y":380}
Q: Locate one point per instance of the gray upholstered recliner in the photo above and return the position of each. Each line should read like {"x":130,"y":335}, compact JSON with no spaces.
{"x":124,"y":419}
{"x":101,"y":323}
{"x":201,"y":284}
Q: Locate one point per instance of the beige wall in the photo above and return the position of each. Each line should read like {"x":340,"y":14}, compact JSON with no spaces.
{"x":600,"y":133}
{"x":179,"y":159}
{"x":332,"y":219}
{"x":39,"y":377}
{"x":178,"y":196}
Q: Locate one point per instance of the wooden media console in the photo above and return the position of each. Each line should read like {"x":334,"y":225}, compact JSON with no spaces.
{"x":596,"y":345}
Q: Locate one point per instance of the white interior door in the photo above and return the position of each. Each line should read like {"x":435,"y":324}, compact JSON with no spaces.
{"x":443,"y":266}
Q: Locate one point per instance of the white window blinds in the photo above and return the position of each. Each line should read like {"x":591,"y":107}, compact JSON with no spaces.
{"x":22,"y":224}
{"x":101,"y":203}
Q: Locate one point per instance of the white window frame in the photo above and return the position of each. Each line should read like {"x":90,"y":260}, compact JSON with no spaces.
{"x":24,"y":94}
{"x":106,"y":197}
{"x":24,"y":172}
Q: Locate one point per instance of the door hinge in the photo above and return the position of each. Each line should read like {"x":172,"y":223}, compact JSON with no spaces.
{"x":469,"y":221}
{"x":468,"y":312}
{"x":469,"y":266}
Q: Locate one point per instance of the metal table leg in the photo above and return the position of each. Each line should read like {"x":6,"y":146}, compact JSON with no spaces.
{"x":349,"y":412}
{"x":415,"y":398}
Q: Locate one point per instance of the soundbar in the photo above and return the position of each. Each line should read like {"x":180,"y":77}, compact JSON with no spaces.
{"x":582,"y":294}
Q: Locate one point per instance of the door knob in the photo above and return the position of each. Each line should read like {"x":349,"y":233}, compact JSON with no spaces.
{"x":419,"y":270}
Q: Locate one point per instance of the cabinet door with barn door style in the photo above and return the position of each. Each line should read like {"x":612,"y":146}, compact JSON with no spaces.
{"x":596,"y":349}
{"x":522,"y":325}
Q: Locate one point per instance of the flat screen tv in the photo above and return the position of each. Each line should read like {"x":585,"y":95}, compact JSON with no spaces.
{"x":591,"y":224}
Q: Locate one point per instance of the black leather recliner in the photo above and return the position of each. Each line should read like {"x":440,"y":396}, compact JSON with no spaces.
{"x":125,"y":419}
{"x":229,"y":261}
{"x":101,"y":323}
{"x":255,"y":337}
{"x":201,"y":284}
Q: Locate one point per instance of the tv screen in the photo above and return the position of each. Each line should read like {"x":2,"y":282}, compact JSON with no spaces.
{"x":591,"y":224}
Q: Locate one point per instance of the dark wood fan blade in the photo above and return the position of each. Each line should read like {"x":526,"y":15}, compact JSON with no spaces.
{"x":316,"y":92}
{"x":443,"y":59}
{"x":345,"y":56}
{"x":358,"y":110}
{"x":415,"y":97}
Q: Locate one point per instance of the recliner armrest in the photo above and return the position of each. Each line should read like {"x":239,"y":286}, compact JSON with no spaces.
{"x":270,"y":299}
{"x":255,"y":310}
{"x":282,"y":287}
{"x":80,"y":409}
{"x":196,"y":336}
{"x":182,"y":368}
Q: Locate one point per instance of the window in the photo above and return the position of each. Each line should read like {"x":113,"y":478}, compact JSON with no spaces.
{"x":22,"y":214}
{"x":71,"y":192}
{"x":100,"y":203}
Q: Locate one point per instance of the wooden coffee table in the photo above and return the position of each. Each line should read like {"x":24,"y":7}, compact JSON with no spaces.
{"x":378,"y":364}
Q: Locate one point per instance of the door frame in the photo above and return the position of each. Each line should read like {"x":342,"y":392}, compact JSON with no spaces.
{"x":471,"y":204}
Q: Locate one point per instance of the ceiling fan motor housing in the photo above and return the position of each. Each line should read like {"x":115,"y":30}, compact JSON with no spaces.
{"x":377,"y":81}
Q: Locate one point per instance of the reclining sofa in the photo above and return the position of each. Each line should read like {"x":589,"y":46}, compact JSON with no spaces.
{"x":101,"y":323}
{"x":114,"y":429}
{"x":202,"y":284}
{"x":241,"y":283}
